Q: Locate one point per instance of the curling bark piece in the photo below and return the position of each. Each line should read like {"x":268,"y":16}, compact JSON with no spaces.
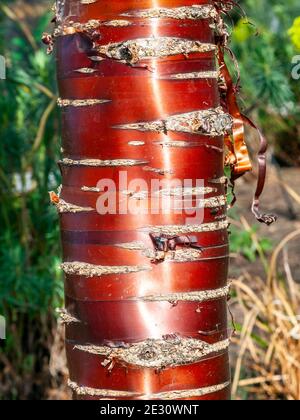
{"x":237,"y":155}
{"x":146,"y":294}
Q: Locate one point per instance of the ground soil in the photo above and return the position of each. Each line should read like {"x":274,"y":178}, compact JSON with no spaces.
{"x":275,"y":200}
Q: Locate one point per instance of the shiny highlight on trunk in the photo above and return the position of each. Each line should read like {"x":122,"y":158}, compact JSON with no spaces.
{"x":146,"y":294}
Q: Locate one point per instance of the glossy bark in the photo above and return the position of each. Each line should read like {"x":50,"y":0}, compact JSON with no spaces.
{"x":113,"y":310}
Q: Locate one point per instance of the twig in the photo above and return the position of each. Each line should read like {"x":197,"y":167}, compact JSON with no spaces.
{"x":290,"y":280}
{"x":13,"y":16}
{"x":42,"y":127}
{"x":276,"y":253}
{"x":246,"y":333}
{"x":261,"y":380}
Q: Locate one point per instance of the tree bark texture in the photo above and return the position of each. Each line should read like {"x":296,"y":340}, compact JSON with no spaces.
{"x":146,"y":294}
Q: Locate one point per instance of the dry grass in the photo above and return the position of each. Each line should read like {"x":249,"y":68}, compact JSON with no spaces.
{"x":269,"y":337}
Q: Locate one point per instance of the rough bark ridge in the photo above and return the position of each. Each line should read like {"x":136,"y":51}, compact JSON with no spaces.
{"x":146,"y":294}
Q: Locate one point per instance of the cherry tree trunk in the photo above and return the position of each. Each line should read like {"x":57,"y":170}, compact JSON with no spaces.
{"x":145,"y":284}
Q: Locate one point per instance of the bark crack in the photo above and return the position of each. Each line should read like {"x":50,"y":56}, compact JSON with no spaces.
{"x":180,"y":255}
{"x":84,"y":390}
{"x":186,"y":12}
{"x":222,"y":180}
{"x":132,"y":246}
{"x":186,"y":191}
{"x":66,"y":317}
{"x":90,"y":270}
{"x":64,"y":103}
{"x":160,"y":171}
{"x":86,"y":70}
{"x":99,"y":162}
{"x":158,"y":354}
{"x":194,"y":75}
{"x":199,"y":296}
{"x":88,"y":1}
{"x":89,"y":27}
{"x":135,"y":50}
{"x":184,"y":229}
{"x":64,"y":207}
{"x":90,"y":189}
{"x":169,"y":395}
{"x":190,"y":393}
{"x":212,"y":122}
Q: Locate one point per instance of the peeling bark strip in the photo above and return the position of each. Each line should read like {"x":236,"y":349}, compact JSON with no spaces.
{"x":211,"y":122}
{"x":83,"y":390}
{"x":90,"y":26}
{"x":201,"y":296}
{"x":179,"y":255}
{"x":185,"y":12}
{"x":183,"y":229}
{"x":91,"y":270}
{"x":158,"y":354}
{"x":135,"y":50}
{"x":98,"y":162}
{"x":169,"y":395}
{"x":62,"y":103}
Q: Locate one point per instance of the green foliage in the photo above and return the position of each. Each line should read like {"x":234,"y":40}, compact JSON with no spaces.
{"x":31,"y":282}
{"x":294,"y":33}
{"x":29,"y":236}
{"x":265,"y":45}
{"x":241,"y":242}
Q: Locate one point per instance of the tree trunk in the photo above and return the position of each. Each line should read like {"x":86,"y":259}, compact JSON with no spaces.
{"x":146,"y":291}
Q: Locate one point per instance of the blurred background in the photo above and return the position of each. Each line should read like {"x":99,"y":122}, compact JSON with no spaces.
{"x":265,"y":266}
